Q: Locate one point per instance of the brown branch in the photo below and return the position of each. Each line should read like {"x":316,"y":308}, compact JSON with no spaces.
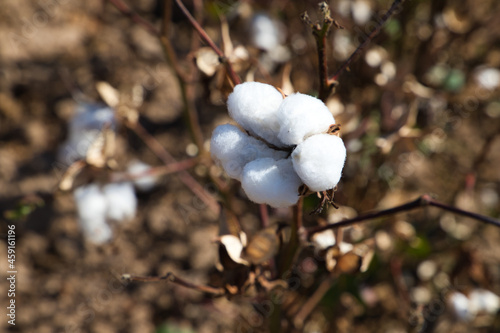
{"x":170,"y":277}
{"x":312,"y":302}
{"x":320,"y":33}
{"x":187,"y":90}
{"x":360,"y":48}
{"x":233,"y":77}
{"x":155,"y":171}
{"x":423,"y":201}
{"x":184,"y":176}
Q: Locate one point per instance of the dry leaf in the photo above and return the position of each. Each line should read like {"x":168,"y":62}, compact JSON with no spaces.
{"x":349,"y":263}
{"x":68,"y":179}
{"x":101,"y":152}
{"x":109,"y":94}
{"x":233,"y":247}
{"x":262,"y":247}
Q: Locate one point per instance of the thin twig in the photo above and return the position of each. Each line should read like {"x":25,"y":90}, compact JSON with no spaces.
{"x":155,"y":171}
{"x":312,"y":302}
{"x":187,"y":90}
{"x":184,"y":176}
{"x":203,"y":34}
{"x":296,"y":231}
{"x":320,"y":33}
{"x":423,"y":201}
{"x":170,"y":277}
{"x":360,"y":48}
{"x":171,"y":57}
{"x":264,"y":216}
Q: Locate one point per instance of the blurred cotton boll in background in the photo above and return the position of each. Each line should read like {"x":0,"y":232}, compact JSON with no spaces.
{"x":121,"y":201}
{"x":142,"y":183}
{"x":96,"y":204}
{"x":269,"y":35}
{"x":92,"y":209}
{"x":83,"y":129}
{"x":488,"y":77}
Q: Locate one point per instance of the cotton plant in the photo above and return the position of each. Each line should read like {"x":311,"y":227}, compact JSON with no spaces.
{"x":97,"y":205}
{"x":90,"y":152}
{"x":287,"y":145}
{"x":83,"y":129}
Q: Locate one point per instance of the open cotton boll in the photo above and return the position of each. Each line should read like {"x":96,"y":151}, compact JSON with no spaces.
{"x":319,"y":161}
{"x":233,"y":149}
{"x":96,"y":230}
{"x":84,"y":128}
{"x":271,"y":182}
{"x":144,"y":183}
{"x":266,"y":33}
{"x":254,"y":106}
{"x":301,"y":116}
{"x":120,"y":200}
{"x":91,"y":206}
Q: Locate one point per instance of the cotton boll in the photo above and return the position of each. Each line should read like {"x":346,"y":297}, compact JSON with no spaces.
{"x":302,"y":116}
{"x":233,"y":149}
{"x":271,"y":182}
{"x":144,"y":183}
{"x":482,"y":300}
{"x":91,"y":206}
{"x":120,"y":200}
{"x":84,"y":129}
{"x":254,"y":106}
{"x":459,"y":304}
{"x":266,"y":34}
{"x":319,"y":161}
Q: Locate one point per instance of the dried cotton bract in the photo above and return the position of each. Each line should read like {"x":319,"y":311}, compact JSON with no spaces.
{"x":287,"y":144}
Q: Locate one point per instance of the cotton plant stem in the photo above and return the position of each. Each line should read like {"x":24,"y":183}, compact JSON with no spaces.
{"x":187,"y":90}
{"x":183,"y":175}
{"x":423,"y":201}
{"x":294,"y":243}
{"x":367,"y":41}
{"x":312,"y":302}
{"x":233,"y":77}
{"x":320,"y":33}
{"x":189,"y":109}
{"x":170,"y":277}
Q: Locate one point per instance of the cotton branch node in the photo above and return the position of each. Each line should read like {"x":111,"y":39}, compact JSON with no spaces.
{"x":290,"y":146}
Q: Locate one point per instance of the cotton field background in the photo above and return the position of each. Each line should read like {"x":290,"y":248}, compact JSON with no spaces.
{"x":106,"y":168}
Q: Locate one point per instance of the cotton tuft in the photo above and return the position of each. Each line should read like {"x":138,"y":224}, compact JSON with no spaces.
{"x":301,"y":116}
{"x":319,"y":161}
{"x":144,"y":183}
{"x":121,"y":201}
{"x":91,"y":206}
{"x":285,"y":144}
{"x":254,"y":106}
{"x":272,"y":182}
{"x":233,"y":149}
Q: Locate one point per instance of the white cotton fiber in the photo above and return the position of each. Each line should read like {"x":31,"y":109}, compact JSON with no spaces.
{"x":233,"y":149}
{"x":266,"y":34}
{"x":144,"y":183}
{"x":254,"y":106}
{"x":91,"y":206}
{"x":271,"y":182}
{"x":120,"y":200}
{"x":319,"y":161}
{"x":301,"y":116}
{"x":84,"y":128}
